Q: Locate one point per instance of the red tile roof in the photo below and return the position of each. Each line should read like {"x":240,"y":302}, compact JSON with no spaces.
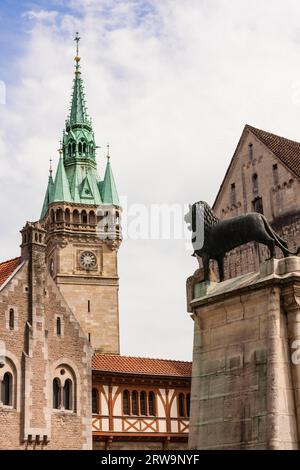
{"x":141,"y":365}
{"x":7,"y":268}
{"x":288,"y":151}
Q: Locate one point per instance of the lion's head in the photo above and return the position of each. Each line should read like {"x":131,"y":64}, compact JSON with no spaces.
{"x":201,"y":214}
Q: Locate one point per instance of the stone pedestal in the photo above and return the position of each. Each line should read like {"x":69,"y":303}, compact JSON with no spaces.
{"x":246,"y":369}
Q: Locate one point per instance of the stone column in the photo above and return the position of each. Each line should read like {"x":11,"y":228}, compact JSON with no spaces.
{"x":291,"y":298}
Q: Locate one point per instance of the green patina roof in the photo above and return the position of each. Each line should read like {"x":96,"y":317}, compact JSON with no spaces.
{"x":108,"y":188}
{"x":76,"y":177}
{"x":48,"y":196}
{"x":61,"y":190}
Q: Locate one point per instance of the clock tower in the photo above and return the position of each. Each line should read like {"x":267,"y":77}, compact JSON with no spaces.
{"x":81,"y":218}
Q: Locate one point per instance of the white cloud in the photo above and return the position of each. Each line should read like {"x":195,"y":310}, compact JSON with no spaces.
{"x":170,"y":85}
{"x":41,"y":15}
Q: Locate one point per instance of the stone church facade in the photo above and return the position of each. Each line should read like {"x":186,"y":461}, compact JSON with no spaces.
{"x":63,"y":382}
{"x":263,"y":176}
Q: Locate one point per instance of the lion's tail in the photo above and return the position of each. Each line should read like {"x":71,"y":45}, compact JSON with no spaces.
{"x":281,"y":243}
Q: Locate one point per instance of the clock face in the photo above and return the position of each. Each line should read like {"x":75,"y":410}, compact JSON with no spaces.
{"x":88,"y":260}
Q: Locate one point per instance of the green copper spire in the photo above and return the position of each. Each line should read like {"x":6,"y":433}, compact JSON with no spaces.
{"x":108,"y":187}
{"x":76,"y":178}
{"x":49,"y":193}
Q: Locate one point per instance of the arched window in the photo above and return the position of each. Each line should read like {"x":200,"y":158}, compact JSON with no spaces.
{"x":68,"y":395}
{"x":84,"y":217}
{"x":76,"y":217}
{"x":59,"y":215}
{"x":143,"y":403}
{"x":84,"y":149}
{"x":40,"y":238}
{"x":58,"y":326}
{"x":91,"y":150}
{"x":188,"y":404}
{"x":134,"y":403}
{"x":56,"y":394}
{"x":181,"y":407}
{"x":126,"y":403}
{"x":11,"y":319}
{"x":80,"y":148}
{"x":36,"y":237}
{"x":69,"y":150}
{"x":250,"y":149}
{"x":67,"y":216}
{"x":151,"y":401}
{"x":6,"y":392}
{"x":95,"y":401}
{"x":233,"y":194}
{"x":255,"y":182}
{"x":74,"y":149}
{"x":92,"y":218}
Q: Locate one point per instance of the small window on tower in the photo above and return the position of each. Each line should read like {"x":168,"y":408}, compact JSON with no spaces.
{"x":257,"y":205}
{"x":58,"y":326}
{"x":11,"y":319}
{"x":250,"y":151}
{"x":275,"y":174}
{"x":255,"y":182}
{"x":233,"y":195}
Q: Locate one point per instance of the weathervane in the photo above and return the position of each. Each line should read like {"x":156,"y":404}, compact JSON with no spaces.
{"x":107,"y":155}
{"x":77,"y":39}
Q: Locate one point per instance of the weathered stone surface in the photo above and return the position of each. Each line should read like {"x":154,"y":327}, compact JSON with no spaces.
{"x":245,"y":388}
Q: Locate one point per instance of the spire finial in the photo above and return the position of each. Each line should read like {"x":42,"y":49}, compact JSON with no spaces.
{"x":50,"y":167}
{"x":107,"y":154}
{"x":77,"y":58}
{"x":60,"y":150}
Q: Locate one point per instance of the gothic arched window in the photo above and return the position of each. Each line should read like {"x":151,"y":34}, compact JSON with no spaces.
{"x":56,"y":394}
{"x":58,"y":326}
{"x":11,"y":319}
{"x":6,"y":392}
{"x":68,"y":395}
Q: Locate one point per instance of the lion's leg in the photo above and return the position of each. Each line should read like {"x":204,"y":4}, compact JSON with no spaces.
{"x":271,"y":246}
{"x":205,"y":260}
{"x":221,"y":269}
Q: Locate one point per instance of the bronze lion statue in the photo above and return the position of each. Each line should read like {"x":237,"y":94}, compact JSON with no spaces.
{"x":212,"y":238}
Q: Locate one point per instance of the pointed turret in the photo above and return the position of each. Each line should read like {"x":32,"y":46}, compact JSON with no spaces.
{"x":61,"y":189}
{"x":108,"y":187}
{"x":49,"y":193}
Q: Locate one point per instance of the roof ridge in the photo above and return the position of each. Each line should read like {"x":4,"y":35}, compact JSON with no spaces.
{"x":143,"y":357}
{"x":248,"y":126}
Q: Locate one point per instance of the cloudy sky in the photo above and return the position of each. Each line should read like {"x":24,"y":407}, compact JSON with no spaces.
{"x":170,"y":85}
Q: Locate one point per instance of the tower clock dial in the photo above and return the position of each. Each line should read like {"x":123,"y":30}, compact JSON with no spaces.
{"x":88,"y":260}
